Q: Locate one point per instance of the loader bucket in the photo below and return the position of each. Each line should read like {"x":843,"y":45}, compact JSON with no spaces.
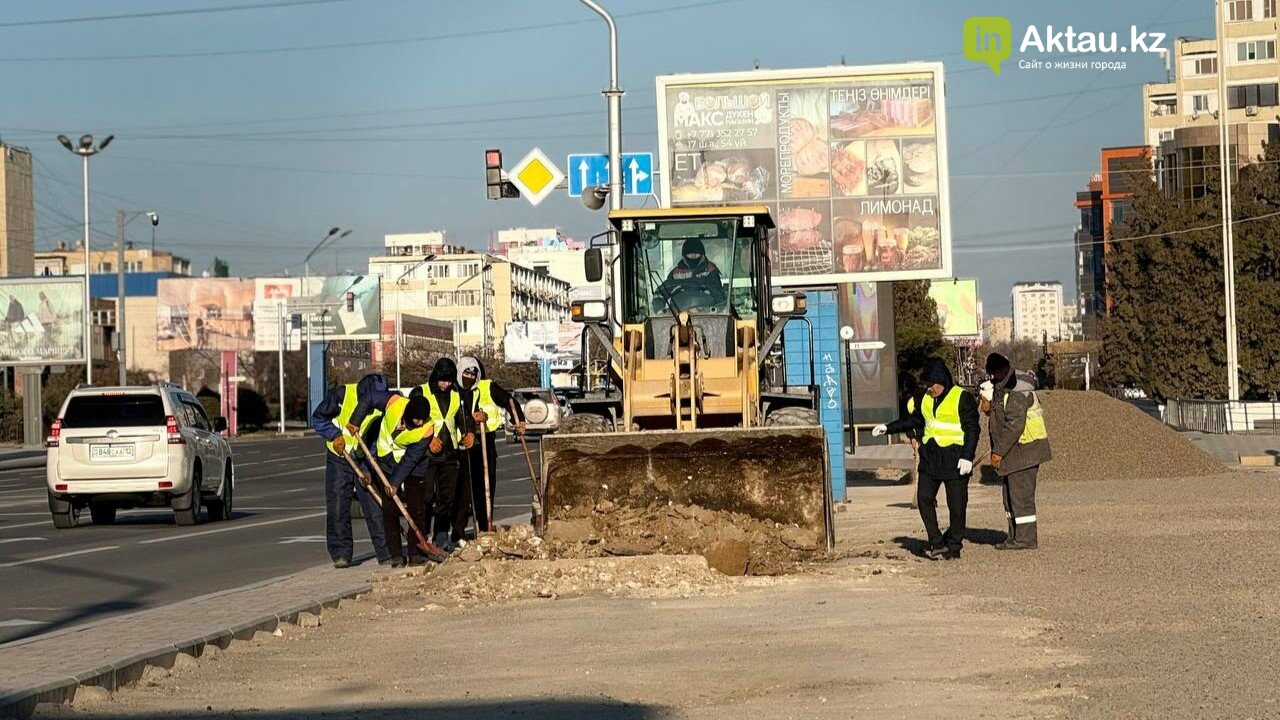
{"x":774,"y":474}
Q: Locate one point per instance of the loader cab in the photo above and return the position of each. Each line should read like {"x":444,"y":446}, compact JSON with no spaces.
{"x":709,"y":265}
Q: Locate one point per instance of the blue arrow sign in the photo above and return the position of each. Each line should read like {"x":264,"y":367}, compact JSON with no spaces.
{"x":589,"y":170}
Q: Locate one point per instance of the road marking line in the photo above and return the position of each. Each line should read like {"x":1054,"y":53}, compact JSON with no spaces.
{"x":22,"y":539}
{"x":280,"y":474}
{"x":21,"y":622}
{"x":4,"y":527}
{"x":229,"y":529}
{"x":286,"y":492}
{"x":59,"y":556}
{"x":302,"y":507}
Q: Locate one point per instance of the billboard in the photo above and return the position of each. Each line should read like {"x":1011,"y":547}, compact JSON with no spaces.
{"x":957,"y":301}
{"x":270,"y":299}
{"x":43,"y":321}
{"x":851,"y":160}
{"x":204,"y":314}
{"x":559,"y":342}
{"x":341,"y":307}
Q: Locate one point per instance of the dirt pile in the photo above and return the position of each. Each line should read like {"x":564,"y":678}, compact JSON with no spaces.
{"x":607,"y":529}
{"x":1096,"y":437}
{"x":493,"y":580}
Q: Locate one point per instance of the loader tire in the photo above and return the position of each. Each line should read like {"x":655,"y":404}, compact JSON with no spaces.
{"x":792,"y":417}
{"x":584,"y":423}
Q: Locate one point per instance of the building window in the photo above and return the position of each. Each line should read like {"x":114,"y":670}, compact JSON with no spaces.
{"x":1240,"y":96}
{"x":1268,"y":8}
{"x":1200,"y":102}
{"x":1239,"y":10}
{"x":133,"y":266}
{"x":1250,"y":50}
{"x":1206,"y":66}
{"x":104,"y":267}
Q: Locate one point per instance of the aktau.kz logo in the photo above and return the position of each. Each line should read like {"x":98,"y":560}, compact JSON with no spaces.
{"x":989,"y":39}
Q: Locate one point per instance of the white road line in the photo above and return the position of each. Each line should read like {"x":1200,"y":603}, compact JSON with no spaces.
{"x":22,"y":539}
{"x":4,"y":527}
{"x":29,"y":561}
{"x":280,"y":474}
{"x":230,"y":528}
{"x":21,"y":622}
{"x":301,"y":507}
{"x":286,"y":492}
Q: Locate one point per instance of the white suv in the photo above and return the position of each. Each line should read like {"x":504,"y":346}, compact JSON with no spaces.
{"x":124,"y":447}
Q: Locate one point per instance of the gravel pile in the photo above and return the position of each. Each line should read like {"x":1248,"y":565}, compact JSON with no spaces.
{"x":1096,"y":437}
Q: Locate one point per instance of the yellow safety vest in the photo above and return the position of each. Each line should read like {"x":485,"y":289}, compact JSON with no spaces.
{"x":441,"y":421}
{"x":1034,"y":429}
{"x":349,"y":402}
{"x":482,"y":399}
{"x":943,"y":425}
{"x":393,"y":439}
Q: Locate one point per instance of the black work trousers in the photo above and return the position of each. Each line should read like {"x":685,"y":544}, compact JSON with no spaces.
{"x":414,"y":497}
{"x":1020,"y":505}
{"x":957,"y":508}
{"x":339,"y":481}
{"x":472,"y":497}
{"x":441,"y":485}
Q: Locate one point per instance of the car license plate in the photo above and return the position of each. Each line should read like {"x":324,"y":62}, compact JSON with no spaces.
{"x":111,"y":452}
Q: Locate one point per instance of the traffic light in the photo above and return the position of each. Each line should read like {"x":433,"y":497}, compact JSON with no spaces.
{"x":496,"y":187}
{"x":351,"y":302}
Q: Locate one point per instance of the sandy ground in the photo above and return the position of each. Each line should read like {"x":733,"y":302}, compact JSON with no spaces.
{"x":1148,"y":598}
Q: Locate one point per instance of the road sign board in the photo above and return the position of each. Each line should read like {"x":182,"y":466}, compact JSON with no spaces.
{"x":591,"y":169}
{"x":536,"y":176}
{"x":867,"y":345}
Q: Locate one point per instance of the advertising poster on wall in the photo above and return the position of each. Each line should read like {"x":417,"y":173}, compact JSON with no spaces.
{"x":957,"y":301}
{"x":43,"y":321}
{"x":205,"y":314}
{"x":851,"y":161}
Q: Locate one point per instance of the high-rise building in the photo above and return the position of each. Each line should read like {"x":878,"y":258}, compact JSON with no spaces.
{"x":1180,"y":118}
{"x":17,"y":212}
{"x":1037,"y":310}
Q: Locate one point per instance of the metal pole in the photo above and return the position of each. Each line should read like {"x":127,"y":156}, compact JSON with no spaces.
{"x":398,"y":334}
{"x":88,"y":303}
{"x":613,"y":97}
{"x":1228,"y":241}
{"x":280,"y":362}
{"x":121,"y":353}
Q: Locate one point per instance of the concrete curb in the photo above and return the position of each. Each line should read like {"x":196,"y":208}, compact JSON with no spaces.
{"x":121,"y":672}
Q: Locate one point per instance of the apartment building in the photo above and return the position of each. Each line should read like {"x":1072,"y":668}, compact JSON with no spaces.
{"x":1181,"y":115}
{"x":1037,"y":310}
{"x":64,"y":260}
{"x":17,"y":212}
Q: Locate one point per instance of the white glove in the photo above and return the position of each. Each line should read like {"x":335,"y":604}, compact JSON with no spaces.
{"x":965,"y":466}
{"x":879,"y":430}
{"x":986,"y":391}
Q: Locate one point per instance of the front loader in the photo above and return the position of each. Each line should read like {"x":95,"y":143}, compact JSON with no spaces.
{"x":697,"y":412}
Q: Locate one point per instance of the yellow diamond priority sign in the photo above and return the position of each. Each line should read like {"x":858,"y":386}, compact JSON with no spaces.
{"x":536,"y":176}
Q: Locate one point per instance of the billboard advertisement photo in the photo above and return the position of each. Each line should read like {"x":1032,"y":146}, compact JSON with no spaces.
{"x":43,"y":321}
{"x":957,"y":301}
{"x":270,"y":299}
{"x":205,"y":314}
{"x":341,"y":307}
{"x":559,"y":342}
{"x":851,"y":160}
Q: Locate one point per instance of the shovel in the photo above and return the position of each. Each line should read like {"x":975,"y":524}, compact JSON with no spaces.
{"x":364,"y":479}
{"x":484,"y":462}
{"x":432,"y":552}
{"x":534,"y":481}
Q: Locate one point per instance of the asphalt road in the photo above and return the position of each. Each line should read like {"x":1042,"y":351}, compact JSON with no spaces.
{"x":54,"y":579}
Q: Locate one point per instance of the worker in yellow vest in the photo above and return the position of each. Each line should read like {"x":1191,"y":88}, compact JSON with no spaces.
{"x":402,"y":445}
{"x":1019,"y":446}
{"x":947,"y":420}
{"x":486,"y":401}
{"x":454,"y":432}
{"x":347,"y":411}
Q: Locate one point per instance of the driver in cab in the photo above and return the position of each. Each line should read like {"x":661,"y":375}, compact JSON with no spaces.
{"x":695,"y":273}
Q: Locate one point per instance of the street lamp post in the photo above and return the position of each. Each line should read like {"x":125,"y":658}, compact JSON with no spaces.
{"x":334,"y":234}
{"x":400,"y":283}
{"x":86,"y":150}
{"x":1226,"y":159}
{"x":484,"y":329}
{"x":614,"y":102}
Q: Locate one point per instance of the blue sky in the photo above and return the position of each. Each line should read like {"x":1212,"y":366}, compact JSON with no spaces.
{"x":253,"y":156}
